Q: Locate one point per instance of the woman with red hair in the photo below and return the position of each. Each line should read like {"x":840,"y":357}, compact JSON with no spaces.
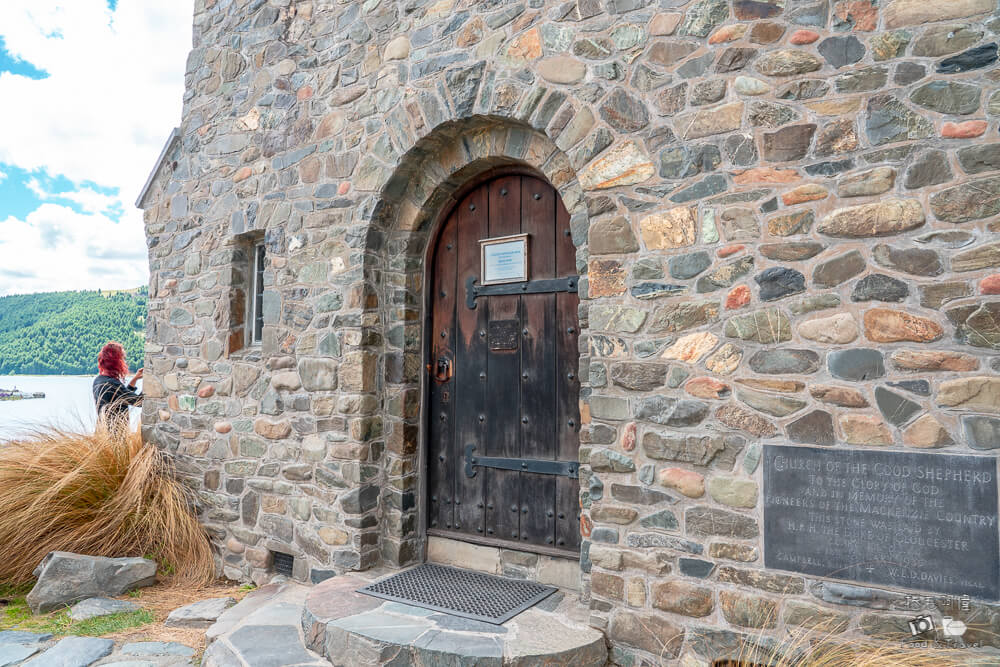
{"x":111,"y":394}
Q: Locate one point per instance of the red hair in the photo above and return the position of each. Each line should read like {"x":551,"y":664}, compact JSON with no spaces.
{"x":111,"y":361}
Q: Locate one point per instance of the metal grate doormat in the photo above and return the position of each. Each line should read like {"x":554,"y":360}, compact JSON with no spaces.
{"x":483,"y":597}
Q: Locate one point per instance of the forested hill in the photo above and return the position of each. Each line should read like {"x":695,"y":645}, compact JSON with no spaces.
{"x":60,"y":333}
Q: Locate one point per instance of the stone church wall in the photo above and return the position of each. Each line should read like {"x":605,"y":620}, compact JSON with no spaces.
{"x":786,"y":214}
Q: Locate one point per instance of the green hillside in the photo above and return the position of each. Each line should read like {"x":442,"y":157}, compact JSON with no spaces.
{"x":60,"y":333}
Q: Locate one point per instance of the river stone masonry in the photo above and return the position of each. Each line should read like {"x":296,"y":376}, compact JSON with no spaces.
{"x":786,"y":216}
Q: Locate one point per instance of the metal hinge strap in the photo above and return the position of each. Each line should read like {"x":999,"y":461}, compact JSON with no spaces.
{"x":562,"y":468}
{"x":474,"y":291}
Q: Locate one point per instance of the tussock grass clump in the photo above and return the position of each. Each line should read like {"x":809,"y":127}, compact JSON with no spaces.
{"x":100,"y":494}
{"x":824,"y":645}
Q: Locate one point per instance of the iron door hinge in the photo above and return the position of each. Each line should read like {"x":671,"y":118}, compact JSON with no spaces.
{"x":540,"y":466}
{"x":546,"y":286}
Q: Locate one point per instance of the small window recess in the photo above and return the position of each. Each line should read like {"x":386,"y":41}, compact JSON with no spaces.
{"x":256,"y":319}
{"x":283,"y":563}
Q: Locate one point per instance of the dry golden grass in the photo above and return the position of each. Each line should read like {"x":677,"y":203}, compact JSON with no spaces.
{"x":824,"y":645}
{"x":98,"y":494}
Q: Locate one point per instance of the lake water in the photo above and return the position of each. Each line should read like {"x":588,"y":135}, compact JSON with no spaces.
{"x":68,"y":403}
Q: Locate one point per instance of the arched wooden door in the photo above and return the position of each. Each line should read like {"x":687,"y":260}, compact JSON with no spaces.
{"x":503,"y":418}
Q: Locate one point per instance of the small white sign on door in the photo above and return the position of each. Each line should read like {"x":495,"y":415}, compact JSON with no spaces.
{"x":504,"y":259}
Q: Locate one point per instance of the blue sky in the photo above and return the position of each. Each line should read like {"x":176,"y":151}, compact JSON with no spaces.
{"x":93,"y":88}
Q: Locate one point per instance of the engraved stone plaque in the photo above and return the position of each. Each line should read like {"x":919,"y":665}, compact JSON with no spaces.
{"x":921,"y":521}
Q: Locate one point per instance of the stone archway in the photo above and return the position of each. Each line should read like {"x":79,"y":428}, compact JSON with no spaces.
{"x":402,"y":224}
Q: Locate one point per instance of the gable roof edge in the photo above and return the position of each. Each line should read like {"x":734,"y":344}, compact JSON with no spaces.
{"x":175,"y":136}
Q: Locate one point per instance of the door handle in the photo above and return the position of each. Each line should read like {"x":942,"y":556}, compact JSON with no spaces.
{"x":443,"y":370}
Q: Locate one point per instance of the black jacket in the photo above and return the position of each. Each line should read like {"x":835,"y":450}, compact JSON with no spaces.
{"x":113,"y":397}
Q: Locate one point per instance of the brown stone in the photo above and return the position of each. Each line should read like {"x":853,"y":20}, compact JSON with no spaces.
{"x":681,"y":597}
{"x":844,"y":397}
{"x":527,"y":47}
{"x":741,"y":419}
{"x":664,"y":24}
{"x":562,"y":69}
{"x":790,"y":224}
{"x":861,"y":15}
{"x":748,"y":611}
{"x":788,"y":143}
{"x":675,"y":228}
{"x":613,"y":514}
{"x":688,"y":482}
{"x":968,"y":129}
{"x":725,"y":360}
{"x":772,"y":582}
{"x":206,"y":391}
{"x":889,"y":216}
{"x":902,"y":13}
{"x":800,"y":37}
{"x":766,"y":175}
{"x":728,"y":33}
{"x":647,"y":632}
{"x":933,"y":360}
{"x":979,"y":394}
{"x":867,"y":183}
{"x":607,"y":278}
{"x":743,"y":553}
{"x":865,"y":430}
{"x":706,"y":387}
{"x":692,"y":347}
{"x":272,"y":430}
{"x":768,"y":384}
{"x":838,"y":329}
{"x":927,"y":433}
{"x":804,"y":193}
{"x":706,"y":122}
{"x":738,"y":297}
{"x":766,"y":32}
{"x":623,"y":164}
{"x":883,"y":325}
{"x":612,"y":237}
{"x":816,"y":618}
{"x":607,"y":585}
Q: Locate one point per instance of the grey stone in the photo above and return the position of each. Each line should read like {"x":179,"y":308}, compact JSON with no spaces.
{"x":778,"y":282}
{"x":859,"y":364}
{"x":662,"y":520}
{"x":948,"y":97}
{"x":784,"y":361}
{"x":702,"y":16}
{"x":708,"y":186}
{"x":788,"y":143}
{"x":94,"y":607}
{"x":841,"y":51}
{"x":725,"y":275}
{"x":271,"y":646}
{"x":670,"y":411}
{"x":919,"y":387}
{"x":624,"y":112}
{"x":776,"y":405}
{"x":707,"y":92}
{"x":767,"y":114}
{"x":895,"y":408}
{"x":199,"y":614}
{"x":65,"y":578}
{"x":711,"y":522}
{"x":766,"y":326}
{"x":975,"y":58}
{"x":862,"y":80}
{"x":12,"y":654}
{"x":74,"y":652}
{"x":695,"y":567}
{"x":640,"y":496}
{"x":647,"y":540}
{"x":915,"y":261}
{"x":689,"y":265}
{"x":929,"y":168}
{"x":646,"y":291}
{"x":21,"y":637}
{"x":793,"y":251}
{"x":945,"y":39}
{"x":880,"y":287}
{"x":815,"y":428}
{"x":840,"y":269}
{"x":948,"y":239}
{"x":157,"y":648}
{"x":647,"y":268}
{"x":686,"y":161}
{"x":811,"y":304}
{"x":907,"y":73}
{"x":889,"y":121}
{"x":708,"y":449}
{"x":980,"y":158}
{"x":607,"y":460}
{"x":981,"y":433}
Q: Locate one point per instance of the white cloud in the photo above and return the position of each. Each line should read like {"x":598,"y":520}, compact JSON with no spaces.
{"x":56,"y":248}
{"x":112,"y":96}
{"x":2,"y":176}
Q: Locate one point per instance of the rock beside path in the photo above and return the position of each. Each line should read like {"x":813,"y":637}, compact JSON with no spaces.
{"x":199,"y":614}
{"x":94,"y":607}
{"x":65,"y":578}
{"x":74,"y":652}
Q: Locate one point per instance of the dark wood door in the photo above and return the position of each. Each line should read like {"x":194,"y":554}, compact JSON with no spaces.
{"x":503,"y":376}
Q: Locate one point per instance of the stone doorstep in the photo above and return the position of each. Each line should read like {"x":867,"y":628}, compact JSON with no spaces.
{"x":352,"y":628}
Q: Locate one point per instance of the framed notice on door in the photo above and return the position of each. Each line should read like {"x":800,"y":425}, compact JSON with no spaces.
{"x":504,"y":259}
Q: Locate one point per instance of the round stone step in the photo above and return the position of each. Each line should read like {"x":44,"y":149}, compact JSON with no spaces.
{"x":351,"y":628}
